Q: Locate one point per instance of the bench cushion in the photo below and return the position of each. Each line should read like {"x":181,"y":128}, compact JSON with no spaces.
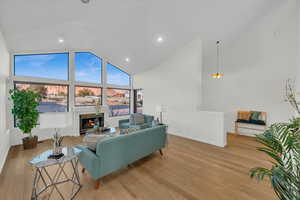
{"x":251,"y":121}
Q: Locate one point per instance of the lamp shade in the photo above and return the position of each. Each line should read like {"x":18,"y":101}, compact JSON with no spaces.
{"x":160,"y":108}
{"x":53,"y":120}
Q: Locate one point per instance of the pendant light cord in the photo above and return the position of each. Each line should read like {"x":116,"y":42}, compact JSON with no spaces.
{"x":218,"y":57}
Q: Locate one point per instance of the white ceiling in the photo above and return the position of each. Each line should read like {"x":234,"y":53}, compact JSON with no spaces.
{"x":116,"y":29}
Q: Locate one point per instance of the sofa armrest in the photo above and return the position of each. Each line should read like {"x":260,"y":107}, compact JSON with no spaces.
{"x":91,"y":162}
{"x":123,"y":121}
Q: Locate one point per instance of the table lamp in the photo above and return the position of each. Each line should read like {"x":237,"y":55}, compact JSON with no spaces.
{"x":56,"y":121}
{"x":160,"y":109}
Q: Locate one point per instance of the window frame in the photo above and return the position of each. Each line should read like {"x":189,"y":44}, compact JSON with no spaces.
{"x":129,"y":100}
{"x":34,"y":83}
{"x":81,"y":106}
{"x":70,"y":83}
{"x":135,"y":91}
{"x":42,"y":53}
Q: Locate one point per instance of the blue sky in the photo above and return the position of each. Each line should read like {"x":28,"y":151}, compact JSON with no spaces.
{"x":116,"y":76}
{"x":55,"y":66}
{"x":88,"y":67}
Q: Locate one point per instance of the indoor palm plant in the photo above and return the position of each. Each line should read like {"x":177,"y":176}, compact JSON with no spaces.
{"x":281,"y":142}
{"x":25,"y":104}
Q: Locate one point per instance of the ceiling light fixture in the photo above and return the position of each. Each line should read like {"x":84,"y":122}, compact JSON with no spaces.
{"x":127,"y":59}
{"x":61,"y":40}
{"x":218,"y":75}
{"x":85,"y":1}
{"x":159,"y":39}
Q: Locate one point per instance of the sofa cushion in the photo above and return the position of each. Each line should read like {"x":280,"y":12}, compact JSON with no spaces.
{"x":91,"y":140}
{"x":257,"y":122}
{"x":251,"y":121}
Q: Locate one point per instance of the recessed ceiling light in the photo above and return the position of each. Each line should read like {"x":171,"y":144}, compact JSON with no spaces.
{"x":127,"y":59}
{"x":159,"y":39}
{"x":85,"y":1}
{"x":61,"y":40}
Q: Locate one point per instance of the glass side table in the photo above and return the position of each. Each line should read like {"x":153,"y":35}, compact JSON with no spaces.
{"x":43,"y":177}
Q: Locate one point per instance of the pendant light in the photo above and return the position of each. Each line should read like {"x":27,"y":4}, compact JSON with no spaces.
{"x":218,"y":75}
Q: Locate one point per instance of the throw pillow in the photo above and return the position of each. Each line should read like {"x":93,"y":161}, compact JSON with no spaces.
{"x":131,"y":120}
{"x":244,"y":115}
{"x":139,"y":119}
{"x":91,"y":140}
{"x":255,"y":115}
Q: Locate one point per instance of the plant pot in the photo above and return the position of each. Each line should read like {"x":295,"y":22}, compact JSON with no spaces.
{"x":30,"y":142}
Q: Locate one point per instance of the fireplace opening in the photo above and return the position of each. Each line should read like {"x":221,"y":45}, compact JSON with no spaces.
{"x":88,"y":121}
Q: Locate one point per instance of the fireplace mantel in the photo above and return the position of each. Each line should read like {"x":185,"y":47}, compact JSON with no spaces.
{"x":86,"y":110}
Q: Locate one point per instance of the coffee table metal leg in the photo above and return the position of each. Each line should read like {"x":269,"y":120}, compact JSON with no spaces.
{"x":57,"y":176}
{"x":76,"y":172}
{"x":54,"y":185}
{"x":33,"y":194}
{"x":75,"y":176}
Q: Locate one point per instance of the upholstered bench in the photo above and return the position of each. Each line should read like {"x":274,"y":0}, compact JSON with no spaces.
{"x":246,"y":120}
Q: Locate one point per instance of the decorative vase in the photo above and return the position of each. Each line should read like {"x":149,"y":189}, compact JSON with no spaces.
{"x":57,"y":147}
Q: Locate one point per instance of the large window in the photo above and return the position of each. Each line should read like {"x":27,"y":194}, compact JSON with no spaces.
{"x":115,"y":76}
{"x":52,"y":66}
{"x":54,"y":97}
{"x":87,"y":96}
{"x":88,"y":67}
{"x":138,"y":101}
{"x":118,"y":101}
{"x":51,"y":75}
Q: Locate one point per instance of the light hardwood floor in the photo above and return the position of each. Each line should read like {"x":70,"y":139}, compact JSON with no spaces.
{"x":188,"y":170}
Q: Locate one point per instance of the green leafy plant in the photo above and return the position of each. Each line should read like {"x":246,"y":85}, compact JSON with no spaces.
{"x":291,"y":95}
{"x":25,"y":104}
{"x":281,"y":142}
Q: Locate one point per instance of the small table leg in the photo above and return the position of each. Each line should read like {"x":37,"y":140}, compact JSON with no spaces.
{"x":34,"y":186}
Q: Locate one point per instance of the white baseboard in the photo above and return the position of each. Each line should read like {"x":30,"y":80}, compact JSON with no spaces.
{"x":3,"y":155}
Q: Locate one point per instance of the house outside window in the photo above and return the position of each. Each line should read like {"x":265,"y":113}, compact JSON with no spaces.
{"x":118,"y":101}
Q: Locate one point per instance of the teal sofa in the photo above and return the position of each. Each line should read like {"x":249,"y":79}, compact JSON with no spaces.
{"x":117,"y":152}
{"x":125,"y":123}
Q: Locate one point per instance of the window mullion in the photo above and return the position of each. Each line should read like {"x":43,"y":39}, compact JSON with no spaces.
{"x":71,"y":81}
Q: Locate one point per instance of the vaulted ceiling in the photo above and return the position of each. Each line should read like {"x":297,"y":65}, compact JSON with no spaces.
{"x":116,"y":29}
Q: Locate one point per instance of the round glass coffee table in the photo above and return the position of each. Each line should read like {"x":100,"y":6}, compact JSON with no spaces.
{"x":42,"y":176}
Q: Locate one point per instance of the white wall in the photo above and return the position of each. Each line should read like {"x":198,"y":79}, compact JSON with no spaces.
{"x":256,"y":66}
{"x":176,"y":84}
{"x":298,"y":45}
{"x":4,"y":72}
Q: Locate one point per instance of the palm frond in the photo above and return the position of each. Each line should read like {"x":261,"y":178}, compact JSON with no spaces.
{"x":281,"y":142}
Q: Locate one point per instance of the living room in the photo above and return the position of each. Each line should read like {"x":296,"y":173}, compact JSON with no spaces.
{"x":149,"y":100}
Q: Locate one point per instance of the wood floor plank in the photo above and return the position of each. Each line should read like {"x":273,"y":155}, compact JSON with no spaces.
{"x":188,"y":170}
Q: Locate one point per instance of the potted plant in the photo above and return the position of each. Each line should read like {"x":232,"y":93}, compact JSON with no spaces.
{"x":281,"y":142}
{"x":25,"y":104}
